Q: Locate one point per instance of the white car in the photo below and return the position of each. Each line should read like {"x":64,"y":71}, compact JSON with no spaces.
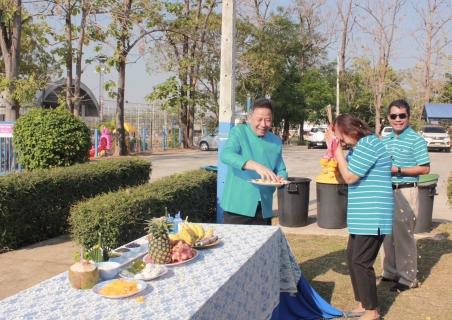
{"x":436,"y":137}
{"x":386,"y":131}
{"x":316,"y":137}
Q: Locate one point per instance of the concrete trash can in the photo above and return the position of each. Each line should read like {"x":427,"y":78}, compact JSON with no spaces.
{"x":427,"y":192}
{"x":293,"y":203}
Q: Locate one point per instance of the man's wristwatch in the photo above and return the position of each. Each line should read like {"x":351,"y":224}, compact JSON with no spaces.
{"x":399,"y":172}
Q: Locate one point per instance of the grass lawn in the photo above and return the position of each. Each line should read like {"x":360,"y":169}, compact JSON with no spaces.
{"x":322,"y":259}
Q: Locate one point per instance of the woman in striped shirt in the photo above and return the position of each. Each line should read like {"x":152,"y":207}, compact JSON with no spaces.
{"x":370,"y":207}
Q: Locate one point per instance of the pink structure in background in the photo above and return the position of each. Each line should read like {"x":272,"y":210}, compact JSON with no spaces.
{"x":105,"y":138}
{"x":104,"y":143}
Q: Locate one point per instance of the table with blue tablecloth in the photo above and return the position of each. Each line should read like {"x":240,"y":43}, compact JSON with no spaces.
{"x":251,"y":274}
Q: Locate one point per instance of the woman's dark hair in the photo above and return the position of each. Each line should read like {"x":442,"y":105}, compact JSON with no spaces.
{"x":353,"y":126}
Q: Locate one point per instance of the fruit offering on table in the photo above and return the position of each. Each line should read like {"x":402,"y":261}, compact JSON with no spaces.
{"x":119,"y":288}
{"x":159,"y":247}
{"x":83,"y":275}
{"x":191,"y":233}
{"x":181,"y":252}
{"x":142,"y":270}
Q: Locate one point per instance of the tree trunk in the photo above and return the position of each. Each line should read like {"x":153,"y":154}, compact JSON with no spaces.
{"x":78,"y":66}
{"x":345,"y":23}
{"x":120,"y":148}
{"x":69,"y":92}
{"x":10,"y":49}
{"x":120,"y":144}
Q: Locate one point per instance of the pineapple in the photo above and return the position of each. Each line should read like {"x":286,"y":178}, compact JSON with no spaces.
{"x":159,"y":248}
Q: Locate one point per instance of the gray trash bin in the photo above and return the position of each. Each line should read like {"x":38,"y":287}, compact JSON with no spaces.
{"x":427,"y":192}
{"x":293,"y":203}
{"x":332,"y":205}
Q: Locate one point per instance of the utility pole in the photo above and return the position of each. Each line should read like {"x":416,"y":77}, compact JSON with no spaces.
{"x":227,"y":91}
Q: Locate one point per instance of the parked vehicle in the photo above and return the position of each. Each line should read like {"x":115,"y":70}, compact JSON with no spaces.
{"x":209,"y":142}
{"x":436,"y":137}
{"x":316,"y":137}
{"x":386,"y":131}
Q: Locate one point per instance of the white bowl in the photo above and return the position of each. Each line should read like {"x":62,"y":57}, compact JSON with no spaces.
{"x":108,"y":270}
{"x":127,"y":253}
{"x":134,"y":250}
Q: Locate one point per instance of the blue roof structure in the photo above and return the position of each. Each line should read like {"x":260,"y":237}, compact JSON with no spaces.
{"x":437,"y":112}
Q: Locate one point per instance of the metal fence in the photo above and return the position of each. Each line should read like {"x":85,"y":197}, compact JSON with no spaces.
{"x":158,"y":128}
{"x":8,"y":158}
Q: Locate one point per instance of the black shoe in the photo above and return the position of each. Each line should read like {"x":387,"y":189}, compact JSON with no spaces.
{"x":399,"y":287}
{"x":387,"y":280}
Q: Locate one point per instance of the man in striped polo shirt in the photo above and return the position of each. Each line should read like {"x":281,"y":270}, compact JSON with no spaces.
{"x":410,"y":158}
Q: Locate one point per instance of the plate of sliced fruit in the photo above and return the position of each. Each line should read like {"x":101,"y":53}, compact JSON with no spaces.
{"x":119,"y":288}
{"x":262,"y":182}
{"x":141,"y":270}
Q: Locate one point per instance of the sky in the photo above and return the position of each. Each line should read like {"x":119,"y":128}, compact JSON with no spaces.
{"x":139,"y":83}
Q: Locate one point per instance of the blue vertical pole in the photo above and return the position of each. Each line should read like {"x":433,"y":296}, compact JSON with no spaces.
{"x":180,"y":136}
{"x":96,"y":142}
{"x":248,"y":103}
{"x":164,"y":139}
{"x":204,"y":132}
{"x":143,"y":140}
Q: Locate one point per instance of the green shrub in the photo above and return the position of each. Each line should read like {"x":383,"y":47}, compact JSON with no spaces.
{"x":47,"y":138}
{"x":120,"y":216}
{"x":35,"y":205}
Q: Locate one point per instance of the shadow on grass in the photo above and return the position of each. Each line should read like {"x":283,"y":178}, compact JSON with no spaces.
{"x":320,"y":262}
{"x":430,"y":251}
{"x":318,"y":266}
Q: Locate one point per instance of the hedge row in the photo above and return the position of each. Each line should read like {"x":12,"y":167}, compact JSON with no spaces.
{"x":35,"y":205}
{"x":121,"y":216}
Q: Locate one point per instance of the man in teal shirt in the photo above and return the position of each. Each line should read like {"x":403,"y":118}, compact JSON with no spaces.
{"x":252,"y":152}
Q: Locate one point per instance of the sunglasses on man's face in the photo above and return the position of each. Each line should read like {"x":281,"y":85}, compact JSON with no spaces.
{"x":394,"y":116}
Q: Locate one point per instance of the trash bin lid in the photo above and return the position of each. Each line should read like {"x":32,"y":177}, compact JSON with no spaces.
{"x":210,"y":168}
{"x":428,"y":179}
{"x":329,"y":178}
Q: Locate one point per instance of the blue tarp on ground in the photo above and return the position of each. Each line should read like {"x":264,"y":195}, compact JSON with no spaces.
{"x":306,"y":305}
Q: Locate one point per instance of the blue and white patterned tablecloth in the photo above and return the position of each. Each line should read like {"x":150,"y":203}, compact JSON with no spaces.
{"x":241,"y":278}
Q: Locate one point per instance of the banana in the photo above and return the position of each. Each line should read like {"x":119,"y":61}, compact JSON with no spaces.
{"x":186,"y":236}
{"x":209,"y":233}
{"x":194,"y":229}
{"x":174,"y":237}
{"x":186,"y":227}
{"x":200,"y":230}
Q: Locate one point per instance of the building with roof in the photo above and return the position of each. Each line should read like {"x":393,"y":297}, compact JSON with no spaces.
{"x":48,"y":98}
{"x":435,"y":112}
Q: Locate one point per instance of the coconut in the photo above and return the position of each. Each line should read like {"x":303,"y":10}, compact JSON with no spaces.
{"x":83,"y":275}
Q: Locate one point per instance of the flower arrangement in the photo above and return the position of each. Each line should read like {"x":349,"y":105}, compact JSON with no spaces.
{"x":328,"y":161}
{"x":329,"y":165}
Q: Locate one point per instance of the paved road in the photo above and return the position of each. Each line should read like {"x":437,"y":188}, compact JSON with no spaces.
{"x":300,"y":162}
